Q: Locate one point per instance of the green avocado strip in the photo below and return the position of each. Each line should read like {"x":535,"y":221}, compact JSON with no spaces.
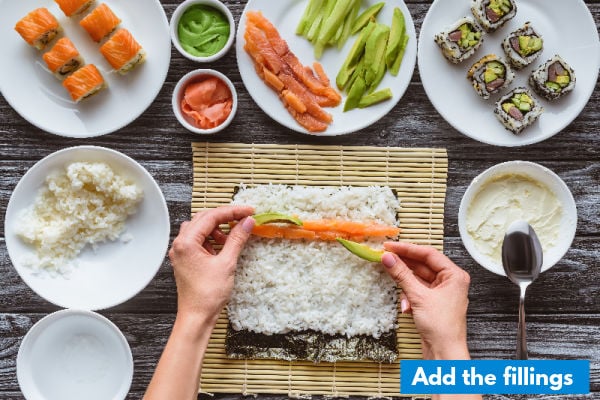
{"x":270,"y":217}
{"x":363,"y":251}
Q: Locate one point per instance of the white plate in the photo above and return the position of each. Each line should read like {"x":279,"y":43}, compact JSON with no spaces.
{"x":116,"y":271}
{"x":568,"y":223}
{"x":73,"y":355}
{"x":285,"y":15}
{"x":40,"y":98}
{"x":454,"y":98}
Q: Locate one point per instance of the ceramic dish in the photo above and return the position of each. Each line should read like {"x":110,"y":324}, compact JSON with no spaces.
{"x":216,"y":4}
{"x":454,"y":98}
{"x":568,"y":219}
{"x":72,"y":354}
{"x":178,"y":93}
{"x":285,"y":15}
{"x":40,"y":98}
{"x":115,"y":271}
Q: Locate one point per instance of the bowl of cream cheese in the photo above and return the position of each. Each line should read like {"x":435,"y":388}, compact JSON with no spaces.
{"x":510,"y":191}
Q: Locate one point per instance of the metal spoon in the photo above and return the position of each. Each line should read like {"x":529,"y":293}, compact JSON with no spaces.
{"x":522,"y":261}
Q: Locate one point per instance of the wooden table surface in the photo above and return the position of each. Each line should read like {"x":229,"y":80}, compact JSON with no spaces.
{"x":563,"y":307}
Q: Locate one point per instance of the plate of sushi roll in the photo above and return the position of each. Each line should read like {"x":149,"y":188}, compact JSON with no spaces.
{"x":83,"y":68}
{"x":501,"y":72}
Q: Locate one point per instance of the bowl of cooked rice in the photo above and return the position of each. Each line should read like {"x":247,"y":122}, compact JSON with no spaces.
{"x":87,"y":227}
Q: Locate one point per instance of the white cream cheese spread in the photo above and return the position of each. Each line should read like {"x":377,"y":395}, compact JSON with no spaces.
{"x":505,"y":199}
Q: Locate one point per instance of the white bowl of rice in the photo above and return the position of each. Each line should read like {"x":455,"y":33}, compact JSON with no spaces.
{"x":87,"y":227}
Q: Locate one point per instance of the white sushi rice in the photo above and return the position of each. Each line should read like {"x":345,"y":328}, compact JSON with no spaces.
{"x":289,"y":285}
{"x":87,"y":203}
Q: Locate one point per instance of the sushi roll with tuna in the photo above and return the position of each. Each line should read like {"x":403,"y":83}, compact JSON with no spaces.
{"x":523,"y":46}
{"x":84,"y":82}
{"x":461,"y":40}
{"x":63,"y":58}
{"x":492,"y":14}
{"x":518,"y":110}
{"x":38,"y":28}
{"x":490,"y":75}
{"x":74,"y":7}
{"x":553,"y":79}
{"x":123,"y":52}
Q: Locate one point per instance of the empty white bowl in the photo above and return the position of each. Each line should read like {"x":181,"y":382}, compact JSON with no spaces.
{"x":536,"y":172}
{"x":216,"y":4}
{"x":74,"y":355}
{"x":179,"y":91}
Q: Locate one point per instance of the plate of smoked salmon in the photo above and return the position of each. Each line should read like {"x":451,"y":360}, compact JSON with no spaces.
{"x":83,"y":68}
{"x":280,"y":71}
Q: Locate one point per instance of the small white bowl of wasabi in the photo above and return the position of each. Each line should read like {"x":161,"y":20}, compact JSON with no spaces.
{"x":510,"y":191}
{"x":74,"y":355}
{"x":202,"y":30}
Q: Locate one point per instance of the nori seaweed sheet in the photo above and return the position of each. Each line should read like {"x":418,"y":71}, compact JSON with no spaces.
{"x":310,"y":345}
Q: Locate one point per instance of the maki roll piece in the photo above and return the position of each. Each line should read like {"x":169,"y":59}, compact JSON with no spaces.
{"x":490,"y":75}
{"x":38,"y":28}
{"x":523,"y":46}
{"x":63,"y":58}
{"x":100,"y":23}
{"x":553,"y":79}
{"x":123,"y":52}
{"x":461,"y":40}
{"x":492,"y":14}
{"x":74,"y":7}
{"x":84,"y":82}
{"x":518,"y":110}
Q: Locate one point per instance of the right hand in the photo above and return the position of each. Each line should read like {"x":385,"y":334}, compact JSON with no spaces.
{"x":436,"y":290}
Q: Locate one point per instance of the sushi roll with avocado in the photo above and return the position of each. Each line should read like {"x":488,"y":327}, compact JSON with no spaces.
{"x":518,"y":110}
{"x":553,"y":79}
{"x":523,"y":46}
{"x":490,"y":75}
{"x":492,"y":14}
{"x":461,"y":40}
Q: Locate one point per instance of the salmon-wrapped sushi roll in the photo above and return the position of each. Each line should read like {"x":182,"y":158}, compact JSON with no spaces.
{"x":123,"y":52}
{"x":63,"y":58}
{"x":38,"y":28}
{"x":100,"y":23}
{"x":84,"y":82}
{"x":74,"y":7}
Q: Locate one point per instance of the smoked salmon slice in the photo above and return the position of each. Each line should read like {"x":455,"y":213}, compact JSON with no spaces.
{"x":100,"y":23}
{"x":84,"y":82}
{"x":122,"y":51}
{"x":63,"y":58}
{"x":302,"y":91}
{"x":38,"y":28}
{"x":74,"y":7}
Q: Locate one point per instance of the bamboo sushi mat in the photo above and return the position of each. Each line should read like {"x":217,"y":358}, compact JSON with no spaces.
{"x":419,"y":178}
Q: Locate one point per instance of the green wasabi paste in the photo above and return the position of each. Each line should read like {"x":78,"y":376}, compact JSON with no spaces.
{"x":203,"y":30}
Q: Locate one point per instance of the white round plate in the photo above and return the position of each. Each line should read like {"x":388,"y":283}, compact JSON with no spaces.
{"x":285,"y":15}
{"x":453,"y":97}
{"x":568,"y":223}
{"x":115,"y":271}
{"x":39,"y":97}
{"x":73,"y":355}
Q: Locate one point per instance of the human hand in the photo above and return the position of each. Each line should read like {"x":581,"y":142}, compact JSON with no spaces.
{"x":436,"y":290}
{"x":204,"y":278}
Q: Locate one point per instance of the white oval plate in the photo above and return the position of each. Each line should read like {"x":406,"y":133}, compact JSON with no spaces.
{"x":32,"y":90}
{"x":568,"y":224}
{"x":115,"y":271}
{"x":285,"y":15}
{"x":454,"y":98}
{"x":72,"y":354}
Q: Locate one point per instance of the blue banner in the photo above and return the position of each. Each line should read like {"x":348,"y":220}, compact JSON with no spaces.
{"x":495,"y":377}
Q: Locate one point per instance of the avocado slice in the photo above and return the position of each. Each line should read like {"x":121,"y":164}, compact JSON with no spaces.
{"x":553,"y":86}
{"x":356,"y":91}
{"x":374,"y":98}
{"x":563,"y":80}
{"x":397,"y":32}
{"x":507,"y":106}
{"x":368,"y":15}
{"x":363,"y":251}
{"x":375,"y":52}
{"x":271,"y":217}
{"x":354,"y":56}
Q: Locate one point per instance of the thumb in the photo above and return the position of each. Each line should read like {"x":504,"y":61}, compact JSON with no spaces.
{"x":237,"y":238}
{"x":400,"y":272}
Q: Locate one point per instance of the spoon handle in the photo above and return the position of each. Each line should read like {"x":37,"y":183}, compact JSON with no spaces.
{"x":522,"y":330}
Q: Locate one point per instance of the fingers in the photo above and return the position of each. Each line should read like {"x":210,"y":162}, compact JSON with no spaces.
{"x":400,"y":272}
{"x":427,"y":255}
{"x":208,"y":247}
{"x":236,"y":240}
{"x":218,"y":236}
{"x":405,"y":304}
{"x":205,"y":222}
